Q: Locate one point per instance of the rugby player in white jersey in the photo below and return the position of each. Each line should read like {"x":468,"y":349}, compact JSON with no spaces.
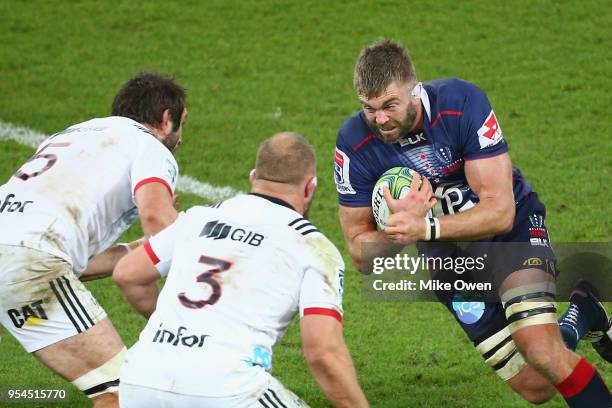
{"x":70,"y":202}
{"x":239,"y":271}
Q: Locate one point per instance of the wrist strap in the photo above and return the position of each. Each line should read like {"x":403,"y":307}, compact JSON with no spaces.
{"x":432,"y":229}
{"x":130,"y":246}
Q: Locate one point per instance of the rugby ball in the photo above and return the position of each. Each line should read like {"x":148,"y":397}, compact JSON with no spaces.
{"x":399,"y":180}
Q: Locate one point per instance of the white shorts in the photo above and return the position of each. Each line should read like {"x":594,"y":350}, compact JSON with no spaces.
{"x":272,"y":395}
{"x":41,"y":299}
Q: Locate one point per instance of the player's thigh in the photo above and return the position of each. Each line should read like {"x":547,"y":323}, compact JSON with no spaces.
{"x":77,"y":355}
{"x":52,"y":315}
{"x":41,"y":300}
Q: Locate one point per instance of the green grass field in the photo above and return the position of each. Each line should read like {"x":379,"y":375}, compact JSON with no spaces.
{"x":255,"y":68}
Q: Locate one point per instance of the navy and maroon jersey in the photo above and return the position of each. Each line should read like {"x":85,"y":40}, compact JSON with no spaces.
{"x":458,"y":125}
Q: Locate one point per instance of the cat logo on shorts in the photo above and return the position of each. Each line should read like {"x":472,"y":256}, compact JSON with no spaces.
{"x":30,"y":314}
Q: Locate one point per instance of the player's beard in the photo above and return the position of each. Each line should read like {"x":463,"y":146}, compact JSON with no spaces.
{"x":403,"y":125}
{"x":172,"y":141}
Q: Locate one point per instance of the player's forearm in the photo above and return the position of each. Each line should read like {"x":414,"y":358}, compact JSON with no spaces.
{"x":335,"y":374}
{"x":368,"y":245}
{"x":486,"y":219}
{"x":142,"y":297}
{"x":102,"y":265}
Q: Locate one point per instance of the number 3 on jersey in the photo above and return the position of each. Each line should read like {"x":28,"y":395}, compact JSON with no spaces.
{"x":207,"y":277}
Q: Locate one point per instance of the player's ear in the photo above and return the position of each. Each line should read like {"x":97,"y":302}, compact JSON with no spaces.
{"x":166,"y":122}
{"x":252,"y":176}
{"x":311,"y":186}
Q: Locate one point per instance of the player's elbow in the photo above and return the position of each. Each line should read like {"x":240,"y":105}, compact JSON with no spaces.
{"x":321,"y":356}
{"x":154,"y":220}
{"x":122,"y":274}
{"x":357,"y":256}
{"x":358,"y":264}
{"x":506,"y":219}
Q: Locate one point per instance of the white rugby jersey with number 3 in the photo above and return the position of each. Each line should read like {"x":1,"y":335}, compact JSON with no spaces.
{"x":75,"y":196}
{"x":238,"y":273}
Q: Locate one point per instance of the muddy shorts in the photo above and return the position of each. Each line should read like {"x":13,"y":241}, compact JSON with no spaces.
{"x":41,"y":299}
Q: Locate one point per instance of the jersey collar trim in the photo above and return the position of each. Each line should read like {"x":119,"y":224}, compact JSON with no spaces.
{"x":420,"y":92}
{"x":274,"y":200}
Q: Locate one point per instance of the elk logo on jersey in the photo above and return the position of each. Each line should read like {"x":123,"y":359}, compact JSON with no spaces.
{"x":413,"y":140}
{"x":490,"y":132}
{"x":220,"y":230}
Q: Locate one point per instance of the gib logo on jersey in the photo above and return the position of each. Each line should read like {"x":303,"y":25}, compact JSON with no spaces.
{"x":468,"y":312}
{"x":220,"y":230}
{"x":490,"y":132}
{"x":341,"y":173}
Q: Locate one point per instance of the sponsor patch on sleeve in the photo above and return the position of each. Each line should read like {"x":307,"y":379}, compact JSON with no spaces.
{"x":490,"y":132}
{"x":341,"y":173}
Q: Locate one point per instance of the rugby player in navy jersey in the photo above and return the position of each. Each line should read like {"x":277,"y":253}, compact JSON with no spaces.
{"x":447,"y":131}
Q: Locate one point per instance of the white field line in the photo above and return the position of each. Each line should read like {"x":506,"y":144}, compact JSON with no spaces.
{"x":187,"y":184}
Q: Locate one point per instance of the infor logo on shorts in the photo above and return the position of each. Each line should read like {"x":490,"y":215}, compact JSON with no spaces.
{"x":468,"y":312}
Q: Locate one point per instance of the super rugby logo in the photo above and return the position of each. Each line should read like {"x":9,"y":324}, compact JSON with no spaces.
{"x":490,"y":132}
{"x":338,"y":167}
{"x":341,"y":173}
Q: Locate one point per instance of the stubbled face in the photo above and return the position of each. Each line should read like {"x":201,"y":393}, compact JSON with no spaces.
{"x":174,"y":139}
{"x":393,"y":113}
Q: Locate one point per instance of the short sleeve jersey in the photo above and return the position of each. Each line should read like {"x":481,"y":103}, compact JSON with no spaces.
{"x":239,"y":272}
{"x":459,"y":124}
{"x":75,"y":196}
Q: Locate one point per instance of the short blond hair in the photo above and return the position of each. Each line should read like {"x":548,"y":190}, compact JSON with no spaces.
{"x":380,"y":64}
{"x":286,"y":157}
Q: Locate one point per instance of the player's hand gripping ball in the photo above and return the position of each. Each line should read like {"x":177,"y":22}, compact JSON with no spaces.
{"x":399,"y":180}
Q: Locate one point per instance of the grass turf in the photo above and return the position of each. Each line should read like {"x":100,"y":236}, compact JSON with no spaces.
{"x":255,"y":68}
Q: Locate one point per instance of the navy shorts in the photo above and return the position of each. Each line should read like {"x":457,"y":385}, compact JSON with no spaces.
{"x":527,"y":246}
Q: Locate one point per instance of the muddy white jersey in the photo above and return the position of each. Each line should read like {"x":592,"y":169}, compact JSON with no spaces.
{"x":75,"y":196}
{"x":239,"y":272}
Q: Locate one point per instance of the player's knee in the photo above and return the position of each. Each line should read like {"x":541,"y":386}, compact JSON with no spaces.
{"x":106,"y":400}
{"x":532,"y":386}
{"x":534,"y":390}
{"x":523,"y":313}
{"x":536,"y":396}
{"x":539,"y":356}
{"x":99,"y":382}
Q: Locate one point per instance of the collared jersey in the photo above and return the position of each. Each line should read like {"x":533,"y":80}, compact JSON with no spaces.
{"x":459,"y":124}
{"x":238,"y":273}
{"x":75,"y":196}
